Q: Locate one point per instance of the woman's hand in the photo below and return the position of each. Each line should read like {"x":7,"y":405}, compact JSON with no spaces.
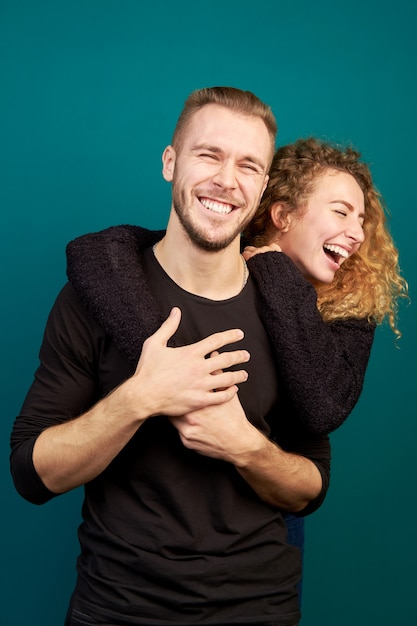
{"x":250,"y":251}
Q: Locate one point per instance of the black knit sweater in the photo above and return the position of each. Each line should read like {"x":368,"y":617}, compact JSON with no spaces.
{"x":321,"y":365}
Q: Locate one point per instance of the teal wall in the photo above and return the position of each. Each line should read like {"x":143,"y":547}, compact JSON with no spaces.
{"x":90,"y":91}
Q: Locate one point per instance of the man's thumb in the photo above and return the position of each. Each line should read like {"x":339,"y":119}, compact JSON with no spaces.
{"x":170,"y":326}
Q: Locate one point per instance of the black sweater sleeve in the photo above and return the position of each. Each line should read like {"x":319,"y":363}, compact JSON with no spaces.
{"x":322,"y":365}
{"x":74,"y":357}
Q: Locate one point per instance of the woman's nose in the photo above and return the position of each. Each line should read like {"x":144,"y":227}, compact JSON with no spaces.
{"x":355,"y":231}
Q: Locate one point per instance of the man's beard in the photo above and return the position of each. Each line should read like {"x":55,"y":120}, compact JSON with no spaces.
{"x":198,"y":235}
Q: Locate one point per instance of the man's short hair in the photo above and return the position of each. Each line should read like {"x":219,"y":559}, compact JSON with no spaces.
{"x":243,"y":102}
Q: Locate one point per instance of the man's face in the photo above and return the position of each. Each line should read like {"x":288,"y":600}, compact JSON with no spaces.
{"x":218,"y":174}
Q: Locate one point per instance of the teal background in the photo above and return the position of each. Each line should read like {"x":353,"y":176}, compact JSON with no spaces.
{"x":90,"y":92}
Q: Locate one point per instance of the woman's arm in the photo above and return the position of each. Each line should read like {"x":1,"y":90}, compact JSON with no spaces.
{"x":322,"y":365}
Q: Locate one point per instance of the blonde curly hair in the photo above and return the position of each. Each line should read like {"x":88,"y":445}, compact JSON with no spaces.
{"x":369,"y":283}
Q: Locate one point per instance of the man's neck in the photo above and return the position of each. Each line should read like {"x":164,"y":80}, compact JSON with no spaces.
{"x":216,"y":275}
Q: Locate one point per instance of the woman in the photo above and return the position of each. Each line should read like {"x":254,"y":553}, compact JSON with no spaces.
{"x":338,"y":277}
{"x":323,"y":211}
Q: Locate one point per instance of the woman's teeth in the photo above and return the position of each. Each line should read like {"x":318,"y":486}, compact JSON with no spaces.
{"x":336,"y":250}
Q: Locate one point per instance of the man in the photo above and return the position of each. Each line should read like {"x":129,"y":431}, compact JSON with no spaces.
{"x":184,"y":487}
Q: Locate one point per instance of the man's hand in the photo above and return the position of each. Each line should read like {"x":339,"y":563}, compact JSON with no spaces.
{"x":176,"y":381}
{"x":167,"y":381}
{"x":221,"y":431}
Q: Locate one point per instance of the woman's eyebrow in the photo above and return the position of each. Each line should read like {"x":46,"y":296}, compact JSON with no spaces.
{"x":347,"y":205}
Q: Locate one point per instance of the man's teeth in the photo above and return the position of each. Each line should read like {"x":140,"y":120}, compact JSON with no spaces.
{"x":217,"y":207}
{"x":336,"y":250}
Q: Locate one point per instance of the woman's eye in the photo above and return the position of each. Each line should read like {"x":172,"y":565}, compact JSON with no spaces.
{"x":344,"y":213}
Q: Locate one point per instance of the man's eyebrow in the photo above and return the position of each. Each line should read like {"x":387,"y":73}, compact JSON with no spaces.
{"x":206,"y":146}
{"x":216,"y":150}
{"x":255,"y":161}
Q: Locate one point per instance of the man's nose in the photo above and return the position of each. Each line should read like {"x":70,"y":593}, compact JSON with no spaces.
{"x":226,"y":175}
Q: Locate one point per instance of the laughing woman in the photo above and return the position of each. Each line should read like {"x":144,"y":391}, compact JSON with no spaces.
{"x":332,"y":267}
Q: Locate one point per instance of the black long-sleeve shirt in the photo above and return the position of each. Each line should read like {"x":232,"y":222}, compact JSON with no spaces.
{"x":92,"y":342}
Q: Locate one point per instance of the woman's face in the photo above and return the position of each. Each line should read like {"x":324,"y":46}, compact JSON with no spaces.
{"x":329,"y":229}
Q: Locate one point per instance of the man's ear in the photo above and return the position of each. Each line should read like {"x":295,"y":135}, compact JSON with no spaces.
{"x":168,"y":163}
{"x":265,"y":184}
{"x":280,"y":218}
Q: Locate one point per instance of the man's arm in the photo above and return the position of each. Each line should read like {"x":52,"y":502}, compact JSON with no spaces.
{"x":167,"y":381}
{"x":283,"y":479}
{"x":72,"y":425}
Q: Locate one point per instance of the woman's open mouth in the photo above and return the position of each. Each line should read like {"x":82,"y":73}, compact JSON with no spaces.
{"x":336,"y":253}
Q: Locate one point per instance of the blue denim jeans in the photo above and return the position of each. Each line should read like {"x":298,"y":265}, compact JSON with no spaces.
{"x":295,"y":537}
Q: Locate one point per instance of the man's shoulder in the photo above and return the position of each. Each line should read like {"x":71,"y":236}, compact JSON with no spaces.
{"x":124,"y":233}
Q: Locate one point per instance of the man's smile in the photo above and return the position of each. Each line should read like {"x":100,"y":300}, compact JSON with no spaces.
{"x":216,"y":206}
